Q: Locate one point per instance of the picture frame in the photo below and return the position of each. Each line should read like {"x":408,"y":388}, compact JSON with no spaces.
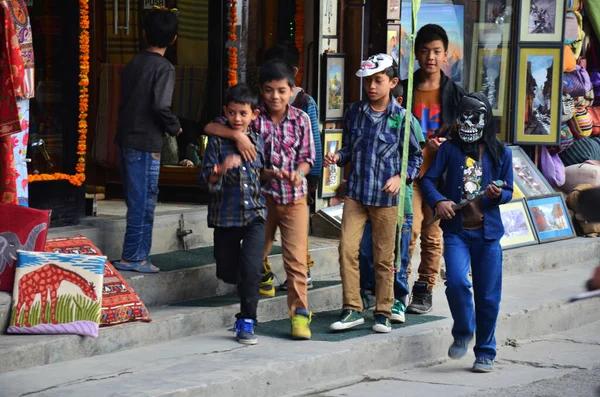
{"x":329,"y":44}
{"x":491,"y":10}
{"x":332,"y":176}
{"x":550,"y":218}
{"x":542,"y":21}
{"x":393,"y":9}
{"x":332,"y":103}
{"x":329,"y":17}
{"x":528,"y":180}
{"x":492,"y":73}
{"x":393,"y":41}
{"x":518,"y":227}
{"x":539,"y":95}
{"x":334,"y":214}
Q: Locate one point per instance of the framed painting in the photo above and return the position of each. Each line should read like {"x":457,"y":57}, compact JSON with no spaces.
{"x":330,"y":44}
{"x":542,"y":21}
{"x":494,"y":11}
{"x":334,"y":214}
{"x":518,"y":228}
{"x":332,"y":175}
{"x":393,"y":41}
{"x":332,"y":105}
{"x":329,"y":17}
{"x":528,"y":180}
{"x":538,"y":92}
{"x":550,"y":218}
{"x":393,"y":9}
{"x":492,"y":67}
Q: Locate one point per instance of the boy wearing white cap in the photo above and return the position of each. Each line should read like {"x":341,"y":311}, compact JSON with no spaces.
{"x":372,"y":142}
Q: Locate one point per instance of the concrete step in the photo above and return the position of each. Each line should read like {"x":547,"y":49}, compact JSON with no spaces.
{"x":213,"y":364}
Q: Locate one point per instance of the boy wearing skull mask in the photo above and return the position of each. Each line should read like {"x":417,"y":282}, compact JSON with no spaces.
{"x":472,"y":160}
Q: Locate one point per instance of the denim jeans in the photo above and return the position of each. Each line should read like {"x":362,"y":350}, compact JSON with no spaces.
{"x":139,"y":173}
{"x":241,"y":264}
{"x":470,"y":249}
{"x":367,"y":274}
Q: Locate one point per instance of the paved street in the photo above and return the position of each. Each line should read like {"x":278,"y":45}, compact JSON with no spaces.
{"x":564,"y":364}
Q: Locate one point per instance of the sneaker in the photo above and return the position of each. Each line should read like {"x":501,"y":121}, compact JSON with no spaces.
{"x":349,"y":318}
{"x":398,"y":310}
{"x":421,"y":299}
{"x":309,"y":284}
{"x":458,"y":348}
{"x":368,"y":299}
{"x":301,"y":324}
{"x":382,"y":324}
{"x":244,"y":331}
{"x":483,"y":365}
{"x":266,"y":285}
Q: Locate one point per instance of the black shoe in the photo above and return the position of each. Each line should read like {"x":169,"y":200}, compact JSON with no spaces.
{"x":421,"y":299}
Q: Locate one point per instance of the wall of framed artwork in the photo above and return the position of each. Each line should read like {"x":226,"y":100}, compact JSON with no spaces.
{"x":541,"y":21}
{"x":332,"y":99}
{"x":550,"y":218}
{"x":393,"y":9}
{"x":332,"y":175}
{"x":528,"y":180}
{"x":518,"y":228}
{"x":393,"y":41}
{"x":538,"y":93}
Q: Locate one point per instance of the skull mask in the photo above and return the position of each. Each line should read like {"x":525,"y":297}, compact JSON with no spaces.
{"x":471,"y":121}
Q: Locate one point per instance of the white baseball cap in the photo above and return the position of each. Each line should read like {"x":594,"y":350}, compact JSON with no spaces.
{"x":375,"y":64}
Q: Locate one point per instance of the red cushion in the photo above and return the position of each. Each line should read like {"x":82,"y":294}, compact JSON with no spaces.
{"x":21,"y":228}
{"x":120,"y":303}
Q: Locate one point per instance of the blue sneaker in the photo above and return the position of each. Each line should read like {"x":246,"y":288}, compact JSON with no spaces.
{"x":244,"y":331}
{"x":483,"y":365}
{"x":458,"y":348}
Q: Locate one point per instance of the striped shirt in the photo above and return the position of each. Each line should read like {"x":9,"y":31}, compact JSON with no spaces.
{"x":374,"y":146}
{"x":286,"y":146}
{"x":236,"y":198}
{"x":308,"y":104}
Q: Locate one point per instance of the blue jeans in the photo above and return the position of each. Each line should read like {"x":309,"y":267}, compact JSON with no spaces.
{"x":470,"y":249}
{"x":139,"y":173}
{"x":365,"y":258}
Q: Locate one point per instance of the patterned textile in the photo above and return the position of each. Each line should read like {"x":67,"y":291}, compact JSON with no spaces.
{"x":190,"y":92}
{"x":19,"y":143}
{"x":471,"y":179}
{"x":20,"y":18}
{"x":57,"y":294}
{"x":20,"y":229}
{"x":236,"y":199}
{"x":192,"y":41}
{"x":120,"y":303}
{"x":286,"y":146}
{"x":11,"y":76}
{"x":375,"y":149}
{"x":8,"y":173}
{"x":105,"y":151}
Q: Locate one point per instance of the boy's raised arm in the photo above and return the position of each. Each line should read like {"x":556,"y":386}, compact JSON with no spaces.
{"x":243,"y":143}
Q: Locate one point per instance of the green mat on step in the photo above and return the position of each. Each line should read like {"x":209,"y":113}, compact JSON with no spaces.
{"x":321,"y":322}
{"x":202,"y":256}
{"x":226,"y":300}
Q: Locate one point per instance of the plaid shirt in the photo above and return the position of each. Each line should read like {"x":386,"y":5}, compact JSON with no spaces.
{"x":286,"y":145}
{"x":375,"y":150}
{"x":236,"y":198}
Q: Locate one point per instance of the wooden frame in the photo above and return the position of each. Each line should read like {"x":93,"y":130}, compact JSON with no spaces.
{"x":332,"y":75}
{"x":550,"y":218}
{"x":537,"y":24}
{"x":518,"y":227}
{"x":528,"y":180}
{"x":393,"y":9}
{"x":538,"y":110}
{"x":333,"y":175}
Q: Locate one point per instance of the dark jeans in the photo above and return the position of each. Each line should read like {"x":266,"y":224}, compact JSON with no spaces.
{"x":470,"y":249}
{"x":139,"y":173}
{"x":239,"y":256}
{"x":367,"y":273}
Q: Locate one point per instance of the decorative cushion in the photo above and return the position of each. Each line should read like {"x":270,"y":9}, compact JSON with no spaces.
{"x":120,"y":303}
{"x":57,"y":294}
{"x":21,"y":228}
{"x":580,"y":174}
{"x":569,"y":61}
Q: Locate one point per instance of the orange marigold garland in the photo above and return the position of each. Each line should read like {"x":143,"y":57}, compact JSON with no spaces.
{"x":299,"y":39}
{"x":231,"y":50}
{"x":84,"y":82}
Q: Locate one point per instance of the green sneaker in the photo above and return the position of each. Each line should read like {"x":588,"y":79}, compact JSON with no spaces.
{"x":398,"y":310}
{"x":382,"y":324}
{"x":349,"y":318}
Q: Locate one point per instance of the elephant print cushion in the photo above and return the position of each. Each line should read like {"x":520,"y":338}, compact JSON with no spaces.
{"x":120,"y":303}
{"x":21,"y":228}
{"x":57,"y":294}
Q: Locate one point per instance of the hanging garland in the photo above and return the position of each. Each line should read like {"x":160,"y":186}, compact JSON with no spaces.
{"x":232,"y":64}
{"x":84,"y":69}
{"x":299,"y":39}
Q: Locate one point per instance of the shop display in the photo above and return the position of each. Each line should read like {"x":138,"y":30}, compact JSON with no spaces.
{"x":518,"y":228}
{"x":528,"y":179}
{"x":550,"y":218}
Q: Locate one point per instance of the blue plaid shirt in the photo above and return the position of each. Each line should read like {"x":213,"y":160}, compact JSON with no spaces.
{"x":236,"y":198}
{"x":375,"y":149}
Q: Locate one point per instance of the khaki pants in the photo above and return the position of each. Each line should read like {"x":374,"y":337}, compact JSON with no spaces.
{"x":291,"y":219}
{"x":431,"y":239}
{"x":384,"y":221}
